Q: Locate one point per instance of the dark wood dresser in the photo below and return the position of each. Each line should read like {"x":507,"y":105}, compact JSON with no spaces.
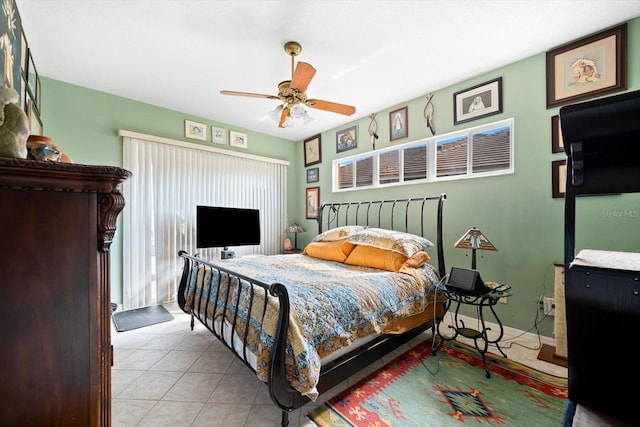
{"x":57,"y":222}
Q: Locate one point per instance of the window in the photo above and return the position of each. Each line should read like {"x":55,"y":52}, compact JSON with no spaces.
{"x":415,"y":165}
{"x":480,"y":151}
{"x":389,"y":166}
{"x":452,"y":155}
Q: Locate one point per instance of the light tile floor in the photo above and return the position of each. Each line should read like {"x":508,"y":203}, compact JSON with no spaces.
{"x":168,"y":375}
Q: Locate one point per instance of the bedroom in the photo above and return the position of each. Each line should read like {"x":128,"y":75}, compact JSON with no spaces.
{"x":517,"y":212}
{"x":85,"y":123}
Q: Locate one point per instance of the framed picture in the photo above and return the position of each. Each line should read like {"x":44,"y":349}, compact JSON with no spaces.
{"x":32,"y":78}
{"x":237,"y":139}
{"x":35,"y":123}
{"x":398,"y":124}
{"x":479,"y":101}
{"x":313,"y":175}
{"x":557,"y":145}
{"x":38,"y":93}
{"x":195,"y":130}
{"x":218,"y":135}
{"x":558,"y":178}
{"x":347,"y":139}
{"x":313,"y":202}
{"x":24,"y":55}
{"x":23,"y":95}
{"x":312,"y":151}
{"x":593,"y":66}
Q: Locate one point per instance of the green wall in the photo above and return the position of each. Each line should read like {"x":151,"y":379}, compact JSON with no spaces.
{"x":516,"y":212}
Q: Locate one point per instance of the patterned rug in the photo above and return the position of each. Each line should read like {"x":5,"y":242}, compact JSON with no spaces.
{"x":419,"y":389}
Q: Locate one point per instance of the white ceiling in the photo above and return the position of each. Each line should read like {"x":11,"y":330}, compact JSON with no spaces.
{"x":371,"y":54}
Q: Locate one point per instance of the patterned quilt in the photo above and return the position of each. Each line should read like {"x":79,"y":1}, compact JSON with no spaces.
{"x":332,"y":305}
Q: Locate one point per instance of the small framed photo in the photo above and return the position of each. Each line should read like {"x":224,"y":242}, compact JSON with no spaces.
{"x":313,"y":202}
{"x":195,"y":130}
{"x":313,"y":175}
{"x":312,"y":151}
{"x":237,"y":139}
{"x":558,"y":178}
{"x":218,"y":135}
{"x":587,"y":68}
{"x":479,"y":101}
{"x":398,"y":124}
{"x":557,"y":145}
{"x":347,"y":139}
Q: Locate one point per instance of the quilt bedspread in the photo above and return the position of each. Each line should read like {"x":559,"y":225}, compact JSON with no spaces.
{"x":332,"y":305}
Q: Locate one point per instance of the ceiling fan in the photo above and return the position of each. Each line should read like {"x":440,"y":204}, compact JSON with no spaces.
{"x":293,"y":93}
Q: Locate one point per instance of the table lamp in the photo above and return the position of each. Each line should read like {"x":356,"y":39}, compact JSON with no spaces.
{"x":295,"y":228}
{"x":474,"y":239}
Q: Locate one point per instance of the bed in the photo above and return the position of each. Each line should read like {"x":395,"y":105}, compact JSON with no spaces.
{"x":305,"y":322}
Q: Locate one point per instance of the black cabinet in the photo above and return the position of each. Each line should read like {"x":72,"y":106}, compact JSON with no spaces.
{"x":602,"y":143}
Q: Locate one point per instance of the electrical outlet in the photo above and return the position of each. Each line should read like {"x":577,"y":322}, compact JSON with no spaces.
{"x":549,"y":306}
{"x":503,"y":300}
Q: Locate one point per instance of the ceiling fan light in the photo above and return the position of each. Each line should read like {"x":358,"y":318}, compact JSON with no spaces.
{"x":275,"y":113}
{"x":306,"y":118}
{"x":297,"y":111}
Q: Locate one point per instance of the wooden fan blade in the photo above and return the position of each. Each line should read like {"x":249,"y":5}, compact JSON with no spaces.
{"x":302,"y":76}
{"x":283,"y":117}
{"x":253,"y":95}
{"x":333,"y":107}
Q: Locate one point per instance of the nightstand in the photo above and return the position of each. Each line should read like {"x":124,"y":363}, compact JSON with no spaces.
{"x":481,"y":339}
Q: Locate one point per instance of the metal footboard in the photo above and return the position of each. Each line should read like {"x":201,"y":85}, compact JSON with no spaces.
{"x":281,"y":393}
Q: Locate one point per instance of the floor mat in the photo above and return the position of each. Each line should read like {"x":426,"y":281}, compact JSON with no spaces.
{"x":140,"y":317}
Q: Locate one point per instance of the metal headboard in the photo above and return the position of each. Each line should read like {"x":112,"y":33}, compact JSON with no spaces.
{"x":408,"y":215}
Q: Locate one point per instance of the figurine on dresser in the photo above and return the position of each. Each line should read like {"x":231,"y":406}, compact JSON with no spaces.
{"x":14,"y":126}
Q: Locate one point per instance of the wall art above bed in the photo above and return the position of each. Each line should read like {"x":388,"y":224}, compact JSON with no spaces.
{"x":477,"y":102}
{"x":592,"y":66}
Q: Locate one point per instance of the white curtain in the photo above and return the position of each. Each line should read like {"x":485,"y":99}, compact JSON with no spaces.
{"x":169,"y":179}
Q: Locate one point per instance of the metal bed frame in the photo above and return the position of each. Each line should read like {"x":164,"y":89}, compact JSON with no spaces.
{"x":382,"y":214}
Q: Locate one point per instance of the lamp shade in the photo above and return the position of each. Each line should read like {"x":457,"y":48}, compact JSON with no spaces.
{"x":297,"y":113}
{"x":294,"y":228}
{"x":474,"y":239}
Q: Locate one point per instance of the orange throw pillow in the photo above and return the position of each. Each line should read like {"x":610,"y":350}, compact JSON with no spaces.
{"x":330,"y":251}
{"x":369,"y":256}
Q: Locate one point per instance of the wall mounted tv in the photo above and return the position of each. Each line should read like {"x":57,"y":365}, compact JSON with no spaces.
{"x":221,"y":227}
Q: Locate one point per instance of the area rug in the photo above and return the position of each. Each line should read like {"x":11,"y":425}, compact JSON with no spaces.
{"x":418,"y":389}
{"x":140,"y":317}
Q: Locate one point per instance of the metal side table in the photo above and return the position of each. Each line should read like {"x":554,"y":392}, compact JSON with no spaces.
{"x":479,"y":336}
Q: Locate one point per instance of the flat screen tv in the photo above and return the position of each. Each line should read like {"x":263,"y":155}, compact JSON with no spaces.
{"x":221,"y":227}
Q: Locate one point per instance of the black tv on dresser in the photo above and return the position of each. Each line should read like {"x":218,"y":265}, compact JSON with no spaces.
{"x":221,"y":227}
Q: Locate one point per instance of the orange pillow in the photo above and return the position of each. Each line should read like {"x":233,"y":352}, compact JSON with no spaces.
{"x":369,"y":256}
{"x":417,"y":260}
{"x":330,"y":251}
